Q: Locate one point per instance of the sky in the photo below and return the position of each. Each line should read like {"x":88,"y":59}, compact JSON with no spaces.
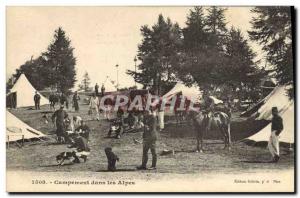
{"x":102,"y":36}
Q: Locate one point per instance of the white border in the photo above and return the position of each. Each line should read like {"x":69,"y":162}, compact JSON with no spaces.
{"x":5,"y":3}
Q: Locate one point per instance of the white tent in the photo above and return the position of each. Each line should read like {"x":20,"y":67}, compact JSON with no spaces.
{"x":24,"y":93}
{"x":18,"y":130}
{"x":287,"y":135}
{"x":192,"y":93}
{"x":277,"y":98}
{"x":109,"y":85}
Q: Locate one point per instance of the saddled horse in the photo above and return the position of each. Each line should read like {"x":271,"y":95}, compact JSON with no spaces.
{"x":203,"y":121}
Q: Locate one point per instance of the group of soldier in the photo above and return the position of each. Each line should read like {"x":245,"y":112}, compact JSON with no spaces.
{"x":149,"y":120}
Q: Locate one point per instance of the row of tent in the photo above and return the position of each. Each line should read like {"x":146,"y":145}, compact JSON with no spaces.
{"x":261,"y":111}
{"x":22,"y":93}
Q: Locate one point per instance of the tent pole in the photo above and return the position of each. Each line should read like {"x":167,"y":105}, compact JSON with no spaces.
{"x":8,"y":142}
{"x":22,"y":140}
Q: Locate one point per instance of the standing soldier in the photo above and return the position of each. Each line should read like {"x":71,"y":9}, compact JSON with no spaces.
{"x":37,"y":99}
{"x":94,"y":106}
{"x":75,"y":101}
{"x":96,"y":89}
{"x":53,"y":99}
{"x":276,"y":128}
{"x":149,"y":140}
{"x":59,"y":117}
{"x":120,"y":117}
{"x":102,"y":90}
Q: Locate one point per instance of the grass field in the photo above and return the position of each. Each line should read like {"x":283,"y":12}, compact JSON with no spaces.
{"x":40,"y":155}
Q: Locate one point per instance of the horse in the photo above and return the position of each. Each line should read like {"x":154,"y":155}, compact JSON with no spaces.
{"x":202,"y":123}
{"x":53,"y":99}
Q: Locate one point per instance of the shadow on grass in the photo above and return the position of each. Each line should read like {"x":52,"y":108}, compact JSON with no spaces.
{"x":256,"y":161}
{"x":185,"y":151}
{"x":56,"y":165}
{"x":118,"y":170}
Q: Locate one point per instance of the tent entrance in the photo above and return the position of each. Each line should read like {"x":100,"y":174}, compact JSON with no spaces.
{"x":11,"y":100}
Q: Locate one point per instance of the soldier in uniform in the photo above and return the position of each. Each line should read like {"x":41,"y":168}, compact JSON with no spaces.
{"x":149,"y":140}
{"x":276,"y":128}
{"x":59,"y":117}
{"x":37,"y":99}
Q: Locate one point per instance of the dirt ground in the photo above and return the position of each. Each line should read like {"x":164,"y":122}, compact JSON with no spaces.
{"x":243,"y":158}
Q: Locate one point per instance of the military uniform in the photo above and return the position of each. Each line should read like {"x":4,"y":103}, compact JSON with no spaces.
{"x":37,"y":99}
{"x":276,"y":128}
{"x":59,"y":116}
{"x":85,"y":131}
{"x":149,"y":140}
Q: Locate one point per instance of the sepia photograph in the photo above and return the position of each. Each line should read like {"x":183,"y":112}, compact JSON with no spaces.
{"x":144,"y":99}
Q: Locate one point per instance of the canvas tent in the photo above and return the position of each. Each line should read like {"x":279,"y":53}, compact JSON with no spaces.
{"x":286,"y":136}
{"x":277,"y":98}
{"x":22,"y":93}
{"x":262,"y":110}
{"x":191,"y":93}
{"x":18,"y":130}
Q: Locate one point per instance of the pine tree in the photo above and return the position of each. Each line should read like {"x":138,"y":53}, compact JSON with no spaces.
{"x":61,"y":61}
{"x":272,"y":29}
{"x":159,"y":55}
{"x":204,"y":57}
{"x":85,"y":83}
{"x":241,"y":71}
{"x":240,"y":58}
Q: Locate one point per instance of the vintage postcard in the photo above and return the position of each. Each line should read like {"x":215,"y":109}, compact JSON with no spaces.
{"x":150,"y":99}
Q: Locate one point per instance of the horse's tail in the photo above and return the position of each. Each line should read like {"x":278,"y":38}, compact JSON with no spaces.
{"x":226,"y":121}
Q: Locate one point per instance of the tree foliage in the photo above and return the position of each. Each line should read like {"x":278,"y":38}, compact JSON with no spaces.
{"x":53,"y":68}
{"x":36,"y":72}
{"x":214,"y":56}
{"x":272,"y":29}
{"x":85,"y":83}
{"x":61,"y":60}
{"x":158,"y":54}
{"x":205,"y":52}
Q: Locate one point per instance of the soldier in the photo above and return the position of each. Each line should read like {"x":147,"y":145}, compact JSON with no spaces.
{"x":149,"y":140}
{"x":83,"y":130}
{"x":94,"y":106}
{"x":75,"y":101}
{"x":276,"y":128}
{"x":102,"y":90}
{"x":96,"y":89}
{"x":59,"y":117}
{"x":37,"y":99}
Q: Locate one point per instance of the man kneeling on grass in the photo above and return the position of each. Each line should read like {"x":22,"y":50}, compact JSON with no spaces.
{"x":276,"y":128}
{"x":83,"y":130}
{"x":82,"y":150}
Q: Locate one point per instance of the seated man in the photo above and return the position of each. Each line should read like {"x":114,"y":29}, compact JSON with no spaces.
{"x":76,"y":122}
{"x":83,"y":130}
{"x":82,"y":150}
{"x":131,"y":120}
